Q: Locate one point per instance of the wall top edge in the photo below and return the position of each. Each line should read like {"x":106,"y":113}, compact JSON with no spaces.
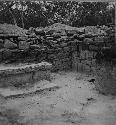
{"x":68,"y":0}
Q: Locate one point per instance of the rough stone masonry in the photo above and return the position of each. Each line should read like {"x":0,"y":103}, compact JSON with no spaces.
{"x":66,"y":48}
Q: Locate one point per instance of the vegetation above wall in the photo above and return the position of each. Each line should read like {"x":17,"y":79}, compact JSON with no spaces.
{"x":27,"y":14}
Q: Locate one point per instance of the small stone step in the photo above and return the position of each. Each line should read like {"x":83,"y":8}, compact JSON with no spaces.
{"x":7,"y":92}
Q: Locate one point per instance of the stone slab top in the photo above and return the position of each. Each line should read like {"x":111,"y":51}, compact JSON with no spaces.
{"x":23,"y":68}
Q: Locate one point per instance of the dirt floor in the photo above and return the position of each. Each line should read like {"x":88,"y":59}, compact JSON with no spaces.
{"x":71,"y":101}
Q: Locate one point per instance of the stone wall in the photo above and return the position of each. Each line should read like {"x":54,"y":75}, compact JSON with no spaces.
{"x":35,"y":44}
{"x":106,"y":78}
{"x":102,"y":66}
{"x":64,"y":46}
{"x":84,"y":61}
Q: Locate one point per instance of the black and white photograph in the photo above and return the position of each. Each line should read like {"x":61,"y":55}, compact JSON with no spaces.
{"x":57,"y":62}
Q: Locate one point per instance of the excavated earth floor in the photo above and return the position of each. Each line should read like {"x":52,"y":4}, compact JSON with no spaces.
{"x":69,"y":99}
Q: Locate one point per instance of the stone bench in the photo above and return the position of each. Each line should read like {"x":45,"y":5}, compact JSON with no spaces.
{"x":21,"y":75}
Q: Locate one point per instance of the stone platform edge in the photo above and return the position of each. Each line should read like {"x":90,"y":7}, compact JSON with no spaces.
{"x":25,"y":69}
